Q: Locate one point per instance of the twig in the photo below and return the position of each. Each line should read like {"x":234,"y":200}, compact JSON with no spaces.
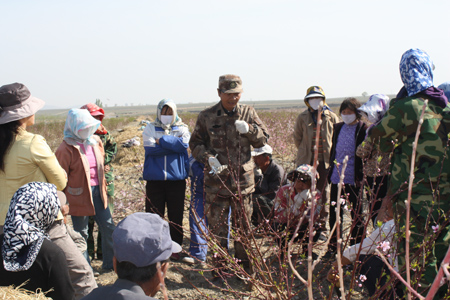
{"x":408,"y":201}
{"x":437,"y":281}
{"x":396,"y":274}
{"x":338,"y":227}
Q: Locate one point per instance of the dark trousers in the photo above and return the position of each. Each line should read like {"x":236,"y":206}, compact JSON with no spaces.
{"x":378,"y":190}
{"x":376,"y":272}
{"x":357,"y":227}
{"x":170,"y":192}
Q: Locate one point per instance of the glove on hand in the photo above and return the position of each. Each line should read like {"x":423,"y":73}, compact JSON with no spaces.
{"x":216,"y":167}
{"x":241,"y":126}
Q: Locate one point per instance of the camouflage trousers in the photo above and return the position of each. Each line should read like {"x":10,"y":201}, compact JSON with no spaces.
{"x":216,"y":209}
{"x":427,"y":248}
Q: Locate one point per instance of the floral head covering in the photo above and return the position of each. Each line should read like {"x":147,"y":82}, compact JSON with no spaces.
{"x":80,"y":126}
{"x":376,"y":107}
{"x":32,"y":211}
{"x":304,"y":171}
{"x":416,"y":71}
{"x":176,"y":119}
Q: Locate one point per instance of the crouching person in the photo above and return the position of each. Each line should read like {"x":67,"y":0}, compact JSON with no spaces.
{"x":28,"y":255}
{"x":291,"y":201}
{"x":142,"y":246}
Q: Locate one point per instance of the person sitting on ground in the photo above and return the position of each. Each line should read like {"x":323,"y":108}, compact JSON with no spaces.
{"x":268,"y":178}
{"x":291,"y":201}
{"x":373,"y":271}
{"x":110,"y":147}
{"x":142,"y":248}
{"x":26,"y":157}
{"x":28,"y":255}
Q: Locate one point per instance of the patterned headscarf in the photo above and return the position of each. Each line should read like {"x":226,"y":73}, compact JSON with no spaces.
{"x":80,"y":126}
{"x":32,"y":211}
{"x":416,"y":71}
{"x":375,"y":107}
{"x":176,"y":119}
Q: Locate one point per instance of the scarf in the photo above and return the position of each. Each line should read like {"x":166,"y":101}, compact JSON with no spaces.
{"x":80,"y":127}
{"x":176,"y":119}
{"x":32,"y":211}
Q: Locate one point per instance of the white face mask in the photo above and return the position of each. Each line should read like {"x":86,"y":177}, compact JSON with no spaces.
{"x":314,"y":103}
{"x":348,"y":119}
{"x":84,"y":133}
{"x":166,"y":120}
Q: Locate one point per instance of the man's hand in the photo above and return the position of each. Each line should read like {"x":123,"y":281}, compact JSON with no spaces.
{"x":385,"y":212}
{"x":216,"y":166}
{"x":241,"y":126}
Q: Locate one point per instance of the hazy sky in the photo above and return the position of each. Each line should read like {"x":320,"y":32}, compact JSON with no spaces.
{"x":69,"y":53}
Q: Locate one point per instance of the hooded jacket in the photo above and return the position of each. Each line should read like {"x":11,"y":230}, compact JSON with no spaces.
{"x":167,"y":160}
{"x":74,"y":161}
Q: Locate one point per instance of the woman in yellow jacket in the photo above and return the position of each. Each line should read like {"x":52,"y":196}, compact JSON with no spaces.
{"x":24,"y":157}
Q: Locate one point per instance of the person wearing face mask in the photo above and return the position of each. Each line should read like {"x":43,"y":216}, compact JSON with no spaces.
{"x":375,"y":169}
{"x":347,"y":136}
{"x":81,"y":155}
{"x":166,"y":167}
{"x":305,"y":140}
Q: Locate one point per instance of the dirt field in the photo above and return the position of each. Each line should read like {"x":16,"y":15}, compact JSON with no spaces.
{"x":184,"y":281}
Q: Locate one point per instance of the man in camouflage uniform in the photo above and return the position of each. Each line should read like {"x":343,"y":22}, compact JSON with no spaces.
{"x":222,"y":140}
{"x":431,"y":187}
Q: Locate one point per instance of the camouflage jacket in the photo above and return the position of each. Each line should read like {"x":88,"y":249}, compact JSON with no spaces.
{"x":397,"y":131}
{"x":215,"y":133}
{"x":110,"y":147}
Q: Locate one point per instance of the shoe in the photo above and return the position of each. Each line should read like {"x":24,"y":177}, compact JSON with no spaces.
{"x":188,"y":260}
{"x":96,"y":274}
{"x":175,"y":257}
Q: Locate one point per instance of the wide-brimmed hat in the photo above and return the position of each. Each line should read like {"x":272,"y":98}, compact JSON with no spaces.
{"x":16,"y":103}
{"x":143,"y":239}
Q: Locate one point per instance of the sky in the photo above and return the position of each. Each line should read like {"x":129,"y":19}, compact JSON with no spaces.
{"x":133,"y":52}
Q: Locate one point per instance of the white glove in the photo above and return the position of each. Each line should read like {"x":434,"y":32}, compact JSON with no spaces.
{"x":216,"y":166}
{"x":241,"y":126}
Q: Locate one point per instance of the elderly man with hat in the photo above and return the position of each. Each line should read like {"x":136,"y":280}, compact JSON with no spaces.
{"x":142,"y":248}
{"x":222,"y":140}
{"x":268,"y":178}
{"x":305,"y":131}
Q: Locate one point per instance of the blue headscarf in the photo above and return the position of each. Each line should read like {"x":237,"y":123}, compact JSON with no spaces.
{"x":80,"y":126}
{"x":416,"y":71}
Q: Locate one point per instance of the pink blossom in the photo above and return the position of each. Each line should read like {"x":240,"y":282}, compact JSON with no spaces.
{"x":385,"y":245}
{"x":333,"y":203}
{"x":435,"y":228}
{"x":362,"y":278}
{"x":360,"y":285}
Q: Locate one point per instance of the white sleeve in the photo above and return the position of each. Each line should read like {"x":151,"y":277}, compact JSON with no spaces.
{"x":185,"y":135}
{"x":370,"y":243}
{"x":148,"y":136}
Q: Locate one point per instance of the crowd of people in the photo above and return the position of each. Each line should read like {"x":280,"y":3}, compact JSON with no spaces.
{"x":364,"y":154}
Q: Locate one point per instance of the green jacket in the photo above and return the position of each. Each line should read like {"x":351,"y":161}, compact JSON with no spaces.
{"x":396,"y":132}
{"x":110,"y":147}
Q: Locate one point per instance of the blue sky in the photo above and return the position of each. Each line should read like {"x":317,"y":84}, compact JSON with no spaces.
{"x":71,"y":53}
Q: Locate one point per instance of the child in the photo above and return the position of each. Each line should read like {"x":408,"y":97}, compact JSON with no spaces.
{"x":292,"y":200}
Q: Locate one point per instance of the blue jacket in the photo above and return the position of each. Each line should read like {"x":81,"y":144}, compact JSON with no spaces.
{"x":167,"y":160}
